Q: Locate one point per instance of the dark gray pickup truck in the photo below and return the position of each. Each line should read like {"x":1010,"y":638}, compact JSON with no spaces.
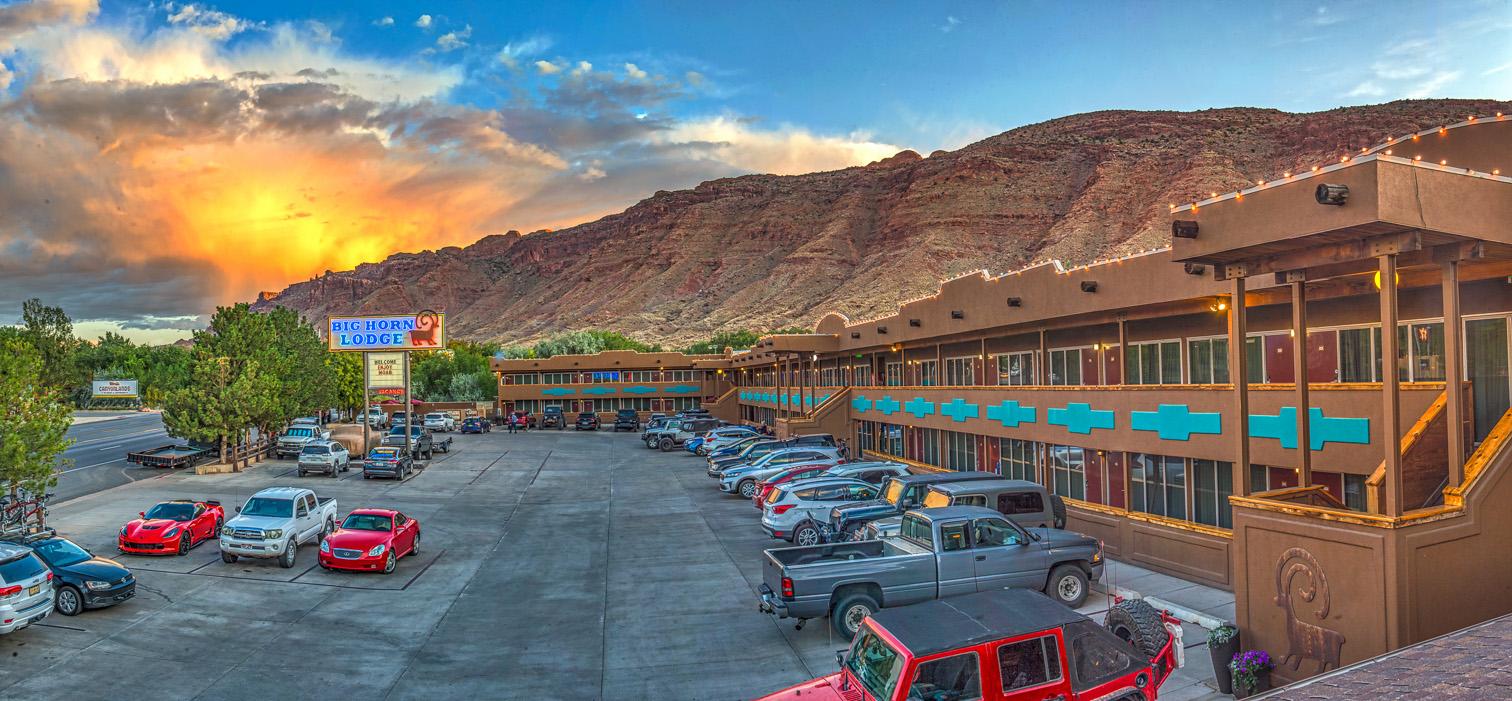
{"x":938,"y":553}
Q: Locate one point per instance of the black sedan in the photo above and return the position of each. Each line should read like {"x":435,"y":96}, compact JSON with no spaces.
{"x":587,"y":421}
{"x":474,"y":424}
{"x":80,"y":580}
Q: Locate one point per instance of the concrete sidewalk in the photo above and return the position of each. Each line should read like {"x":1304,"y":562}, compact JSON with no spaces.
{"x":1199,"y":604}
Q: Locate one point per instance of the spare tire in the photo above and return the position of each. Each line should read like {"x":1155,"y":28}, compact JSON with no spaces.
{"x":1058,"y":510}
{"x":1138,"y":624}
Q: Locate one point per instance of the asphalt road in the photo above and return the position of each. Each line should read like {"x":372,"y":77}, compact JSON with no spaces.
{"x":97,"y":459}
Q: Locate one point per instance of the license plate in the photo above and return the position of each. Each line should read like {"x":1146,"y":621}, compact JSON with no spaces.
{"x":33,"y":589}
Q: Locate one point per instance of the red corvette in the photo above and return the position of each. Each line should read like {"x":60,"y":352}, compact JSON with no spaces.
{"x":172,"y":527}
{"x":371,"y":539}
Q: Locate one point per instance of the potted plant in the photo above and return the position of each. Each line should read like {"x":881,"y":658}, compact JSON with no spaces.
{"x":1223,"y":644}
{"x":1251,"y":672}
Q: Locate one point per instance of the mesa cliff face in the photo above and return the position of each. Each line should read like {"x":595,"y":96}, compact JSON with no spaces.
{"x":763,"y":251}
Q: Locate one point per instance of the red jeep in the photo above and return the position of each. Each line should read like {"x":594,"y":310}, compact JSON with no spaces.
{"x":1007,"y":644}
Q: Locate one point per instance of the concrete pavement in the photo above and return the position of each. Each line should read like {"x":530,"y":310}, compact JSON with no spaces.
{"x":555,"y":565}
{"x":97,"y":459}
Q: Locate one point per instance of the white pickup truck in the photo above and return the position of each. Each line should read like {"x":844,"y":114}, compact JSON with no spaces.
{"x":275,"y":522}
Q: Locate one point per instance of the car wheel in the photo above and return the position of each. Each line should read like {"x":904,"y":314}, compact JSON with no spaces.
{"x":291,"y":551}
{"x":747,"y":489}
{"x":219,"y":524}
{"x":415,"y":546}
{"x":1138,"y":623}
{"x":806,"y":534}
{"x":666,"y":445}
{"x":1068,"y":585}
{"x":847,"y":615}
{"x":228,"y":558}
{"x":68,"y":601}
{"x":327,"y":530}
{"x":183,"y":544}
{"x":390,"y":563}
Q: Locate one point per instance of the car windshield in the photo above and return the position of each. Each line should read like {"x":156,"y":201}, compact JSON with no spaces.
{"x":368,"y":522}
{"x":315,"y":450}
{"x":61,"y":553}
{"x":876,"y":665}
{"x":300,"y":432}
{"x":263,"y":506}
{"x":172,"y":512}
{"x":435,"y":416}
{"x":894,"y":492}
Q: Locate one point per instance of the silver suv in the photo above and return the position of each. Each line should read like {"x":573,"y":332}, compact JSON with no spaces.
{"x":26,"y":590}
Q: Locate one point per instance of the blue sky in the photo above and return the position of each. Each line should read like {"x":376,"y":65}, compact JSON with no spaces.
{"x":159,"y":158}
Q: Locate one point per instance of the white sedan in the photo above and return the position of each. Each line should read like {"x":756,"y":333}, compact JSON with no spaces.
{"x":794,"y":511}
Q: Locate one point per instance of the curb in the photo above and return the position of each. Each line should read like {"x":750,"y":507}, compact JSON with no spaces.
{"x":1187,"y":615}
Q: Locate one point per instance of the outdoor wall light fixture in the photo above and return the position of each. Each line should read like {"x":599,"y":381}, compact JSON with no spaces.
{"x":957,"y":314}
{"x":1335,"y":195}
{"x":855,"y":334}
{"x":1015,"y":301}
{"x":881,"y":329}
{"x":1194,"y":268}
{"x":1184,"y":229}
{"x":913,"y":322}
{"x":1089,"y":286}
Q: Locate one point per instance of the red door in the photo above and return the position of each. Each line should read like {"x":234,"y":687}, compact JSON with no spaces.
{"x":404,"y":535}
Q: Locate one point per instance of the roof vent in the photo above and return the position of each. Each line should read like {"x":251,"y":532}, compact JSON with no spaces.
{"x":957,"y":314}
{"x":1015,"y":301}
{"x":1089,"y":286}
{"x":855,"y":334}
{"x":913,"y":322}
{"x":1184,"y":229}
{"x":881,"y":329}
{"x":1194,"y":268}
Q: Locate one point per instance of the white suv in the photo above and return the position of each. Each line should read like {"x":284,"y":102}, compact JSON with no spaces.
{"x":26,"y":590}
{"x":794,"y":511}
{"x":440,"y":421}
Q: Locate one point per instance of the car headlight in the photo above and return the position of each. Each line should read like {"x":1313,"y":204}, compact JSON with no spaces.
{"x":171,"y":532}
{"x":225,"y":530}
{"x":325,"y":546}
{"x":97,"y":586}
{"x":376,"y":551}
{"x":274,"y":534}
{"x":123,"y":530}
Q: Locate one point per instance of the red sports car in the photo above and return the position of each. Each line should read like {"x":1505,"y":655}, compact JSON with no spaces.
{"x":172,"y":527}
{"x":792,"y":474}
{"x":371,"y":539}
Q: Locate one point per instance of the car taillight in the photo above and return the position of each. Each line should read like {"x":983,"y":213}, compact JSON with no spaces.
{"x":787,"y":587}
{"x":780,"y":509}
{"x":49,"y":576}
{"x":12,"y":591}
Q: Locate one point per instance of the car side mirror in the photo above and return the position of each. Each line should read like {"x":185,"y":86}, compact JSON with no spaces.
{"x":238,"y":509}
{"x":840,"y":657}
{"x":143,"y":514}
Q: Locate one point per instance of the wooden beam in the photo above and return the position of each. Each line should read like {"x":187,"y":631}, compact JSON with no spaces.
{"x":1299,"y":371}
{"x":1239,"y":376}
{"x":1391,"y":399}
{"x":1453,"y":373}
{"x":1325,"y":254}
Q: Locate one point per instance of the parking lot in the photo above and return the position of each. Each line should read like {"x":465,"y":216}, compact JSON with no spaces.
{"x":556,"y":565}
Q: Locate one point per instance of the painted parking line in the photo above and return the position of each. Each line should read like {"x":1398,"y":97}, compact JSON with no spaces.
{"x":86,"y":467}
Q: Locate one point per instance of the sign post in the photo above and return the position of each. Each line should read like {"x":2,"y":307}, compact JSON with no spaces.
{"x":385,"y":343}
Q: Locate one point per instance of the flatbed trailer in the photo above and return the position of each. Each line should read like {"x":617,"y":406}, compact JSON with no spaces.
{"x":169,"y":456}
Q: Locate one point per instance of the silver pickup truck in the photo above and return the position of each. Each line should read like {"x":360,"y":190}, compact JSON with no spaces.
{"x":275,"y":522}
{"x":939,"y":552}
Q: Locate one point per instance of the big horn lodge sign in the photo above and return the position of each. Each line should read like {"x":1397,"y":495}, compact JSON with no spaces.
{"x":405,"y":332}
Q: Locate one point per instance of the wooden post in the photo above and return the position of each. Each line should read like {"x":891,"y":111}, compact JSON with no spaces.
{"x":1391,"y":435}
{"x":939,"y":365}
{"x":1453,"y":373}
{"x":983,"y":379}
{"x":1044,"y":360}
{"x":1123,"y":351}
{"x":1239,"y":375}
{"x":1299,"y":373}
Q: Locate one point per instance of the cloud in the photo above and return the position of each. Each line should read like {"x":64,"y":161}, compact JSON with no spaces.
{"x":1322,"y":17}
{"x":513,"y":51}
{"x":786,"y":150}
{"x":950,"y":24}
{"x":633,"y":72}
{"x":453,"y":40}
{"x":383,"y":22}
{"x":211,"y":23}
{"x":20,"y":17}
{"x":548,"y":68}
{"x":424,"y":22}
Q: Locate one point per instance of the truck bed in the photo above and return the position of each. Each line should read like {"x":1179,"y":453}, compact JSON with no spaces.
{"x":844,"y":551}
{"x":168,"y":456}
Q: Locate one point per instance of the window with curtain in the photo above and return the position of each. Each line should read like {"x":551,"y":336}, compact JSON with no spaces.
{"x":1068,"y":472}
{"x":1065,"y":366}
{"x":865,"y":436}
{"x":929,"y":446}
{"x":1207,"y":361}
{"x":1153,"y":363}
{"x":1357,"y":355}
{"x":1212,"y":484}
{"x":961,"y":451}
{"x":1157,"y":485}
{"x":929,"y":373}
{"x":960,"y":372}
{"x":894,"y":374}
{"x":1018,"y":459}
{"x":1016,"y":368}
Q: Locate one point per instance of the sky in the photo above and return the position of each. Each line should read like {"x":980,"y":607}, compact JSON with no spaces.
{"x":158,"y":159}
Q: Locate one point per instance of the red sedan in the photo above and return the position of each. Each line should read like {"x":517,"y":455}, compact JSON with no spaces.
{"x":792,"y":474}
{"x":371,"y":539}
{"x":172,"y":527}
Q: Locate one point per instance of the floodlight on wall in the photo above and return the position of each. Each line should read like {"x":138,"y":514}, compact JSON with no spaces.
{"x":881,"y":329}
{"x":1015,"y":301}
{"x":913,"y":322}
{"x":1335,"y":195}
{"x":855,"y":334}
{"x":1184,"y":229}
{"x":957,"y":314}
{"x":1089,"y":286}
{"x":1194,"y":268}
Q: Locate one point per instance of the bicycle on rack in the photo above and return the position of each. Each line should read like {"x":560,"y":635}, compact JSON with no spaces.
{"x":18,"y":513}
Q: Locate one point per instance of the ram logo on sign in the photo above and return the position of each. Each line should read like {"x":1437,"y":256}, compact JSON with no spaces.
{"x":115,"y":389}
{"x":404,"y":332}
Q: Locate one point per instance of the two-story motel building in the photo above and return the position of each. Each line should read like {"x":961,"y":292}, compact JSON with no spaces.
{"x":1342,"y":511}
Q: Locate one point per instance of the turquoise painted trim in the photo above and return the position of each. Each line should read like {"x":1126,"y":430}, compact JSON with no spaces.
{"x":1176,"y":422}
{"x":1320,"y":429}
{"x":959,"y":410}
{"x":861,"y":403}
{"x":1010,"y":414}
{"x":1079,"y":417}
{"x":888,"y":406}
{"x":558,"y":391}
{"x":640,"y":389}
{"x":599,"y":390}
{"x":919,"y":407}
{"x":682,"y":389}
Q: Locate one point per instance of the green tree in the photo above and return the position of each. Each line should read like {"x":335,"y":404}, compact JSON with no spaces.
{"x":739,"y":339}
{"x":34,"y":418}
{"x":49,"y":331}
{"x":345,"y":370}
{"x":590,"y":342}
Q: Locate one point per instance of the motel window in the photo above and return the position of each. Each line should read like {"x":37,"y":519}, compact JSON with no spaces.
{"x":894,"y":374}
{"x":640,"y":376}
{"x":1018,"y":459}
{"x":1065,"y":366}
{"x":929,"y":373}
{"x":827,"y":377}
{"x":1420,"y":352}
{"x":1016,"y":368}
{"x":556,"y":378}
{"x":530,"y":405}
{"x":960,"y":372}
{"x":607,"y":376}
{"x":929,"y":446}
{"x":1156,"y":363}
{"x":1359,"y":354}
{"x":1157,"y":485}
{"x":1068,"y":472}
{"x":891,"y":437}
{"x":862,"y":374}
{"x":960,"y":451}
{"x":528,"y":378}
{"x":1212,"y":484}
{"x":1354,"y":492}
{"x":1207,"y":361}
{"x":865,"y":438}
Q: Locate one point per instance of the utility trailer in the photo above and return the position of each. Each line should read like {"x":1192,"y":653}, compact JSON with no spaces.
{"x":170,"y":456}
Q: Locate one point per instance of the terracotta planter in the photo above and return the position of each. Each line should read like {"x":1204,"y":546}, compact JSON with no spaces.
{"x":1262,"y":684}
{"x":1223,"y":654}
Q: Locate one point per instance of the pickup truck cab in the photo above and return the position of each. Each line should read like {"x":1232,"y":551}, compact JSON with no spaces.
{"x":899,"y":494}
{"x":938,"y":553}
{"x":275,"y":522}
{"x":1007,"y":645}
{"x":294,"y":439}
{"x":1030,"y":505}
